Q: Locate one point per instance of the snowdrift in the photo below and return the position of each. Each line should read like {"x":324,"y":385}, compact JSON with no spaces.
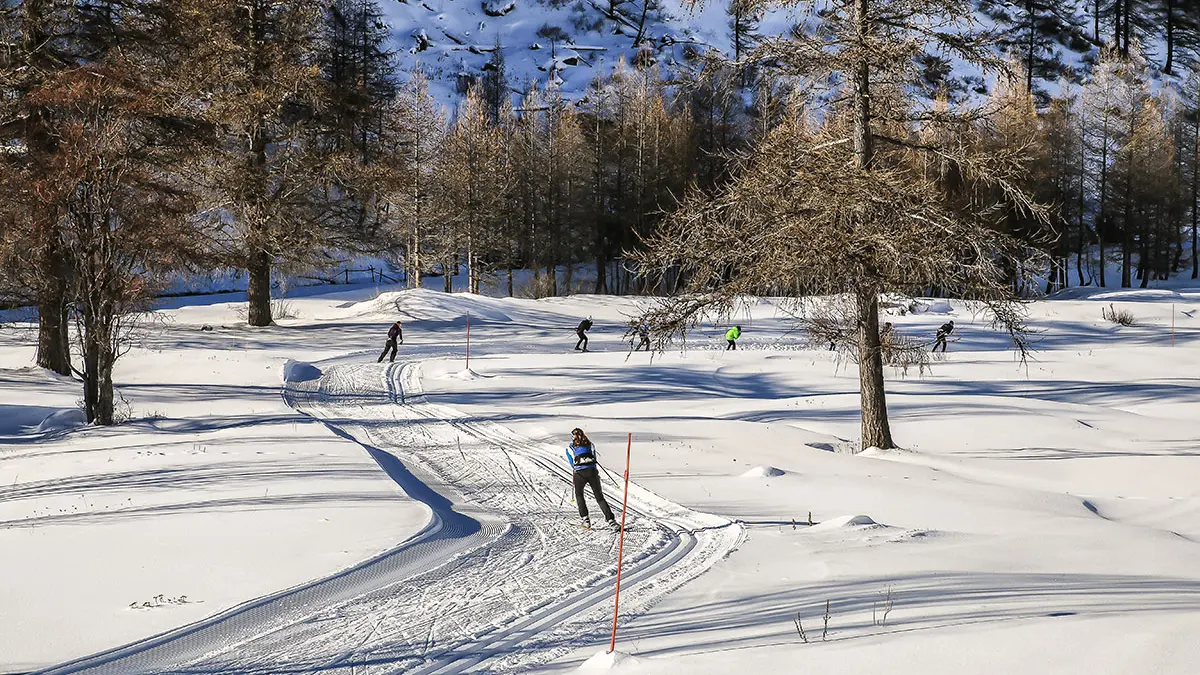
{"x":763,"y":472}
{"x":62,"y":420}
{"x":299,"y":371}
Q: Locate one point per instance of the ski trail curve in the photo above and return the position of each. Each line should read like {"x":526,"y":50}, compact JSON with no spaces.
{"x":500,"y":579}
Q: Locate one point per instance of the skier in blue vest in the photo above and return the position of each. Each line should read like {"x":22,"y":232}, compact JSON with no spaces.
{"x":581,"y":454}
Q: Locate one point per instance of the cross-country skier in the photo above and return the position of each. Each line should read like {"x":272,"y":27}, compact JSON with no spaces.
{"x":581,"y":454}
{"x":396,"y":332}
{"x":643,"y":332}
{"x":942,"y":333}
{"x":885,"y":341}
{"x":581,"y":331}
{"x":731,"y":337}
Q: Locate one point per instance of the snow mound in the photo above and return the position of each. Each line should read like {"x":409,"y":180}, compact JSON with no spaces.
{"x":62,"y":420}
{"x":467,"y":374}
{"x":763,"y":472}
{"x":931,"y":306}
{"x":422,"y":304}
{"x":299,"y":371}
{"x":842,"y":522}
{"x":605,"y":662}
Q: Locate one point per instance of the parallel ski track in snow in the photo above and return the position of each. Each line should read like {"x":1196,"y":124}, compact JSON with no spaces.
{"x":500,"y":579}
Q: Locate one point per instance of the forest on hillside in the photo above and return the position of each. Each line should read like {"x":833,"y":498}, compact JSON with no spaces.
{"x":143,"y":138}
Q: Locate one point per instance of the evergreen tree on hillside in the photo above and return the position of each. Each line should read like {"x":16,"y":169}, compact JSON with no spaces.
{"x":360,"y":69}
{"x":497,"y":95}
{"x":271,"y":169}
{"x":1038,"y":31}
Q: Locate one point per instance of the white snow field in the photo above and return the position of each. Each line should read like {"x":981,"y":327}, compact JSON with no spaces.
{"x":312,"y":511}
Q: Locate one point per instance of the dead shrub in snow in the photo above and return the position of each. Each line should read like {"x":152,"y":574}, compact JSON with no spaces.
{"x":800,"y":628}
{"x":1121,"y":317}
{"x":282,"y":309}
{"x":881,"y":609}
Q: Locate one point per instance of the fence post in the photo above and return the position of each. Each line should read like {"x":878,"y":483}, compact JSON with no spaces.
{"x":612,"y":645}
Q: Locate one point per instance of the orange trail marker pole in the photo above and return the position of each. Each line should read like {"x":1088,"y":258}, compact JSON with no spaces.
{"x":612,"y":645}
{"x":1172,"y":324}
{"x":468,"y":340}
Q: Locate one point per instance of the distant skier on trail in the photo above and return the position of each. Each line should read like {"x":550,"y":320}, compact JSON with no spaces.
{"x":396,"y":332}
{"x":942,"y":333}
{"x":643,"y":332}
{"x":581,"y":454}
{"x":885,"y":341}
{"x":581,"y":331}
{"x":731,"y":337}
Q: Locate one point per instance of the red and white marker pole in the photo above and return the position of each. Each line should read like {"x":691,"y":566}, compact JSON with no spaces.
{"x":612,"y":645}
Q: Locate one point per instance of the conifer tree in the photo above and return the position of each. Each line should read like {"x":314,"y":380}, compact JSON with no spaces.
{"x":846,"y":206}
{"x":269,"y":172}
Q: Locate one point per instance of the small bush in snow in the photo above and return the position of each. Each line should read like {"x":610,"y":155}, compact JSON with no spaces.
{"x":800,"y":628}
{"x":1121,"y":317}
{"x":282,"y":309}
{"x":828,"y":616}
{"x":881,"y":609}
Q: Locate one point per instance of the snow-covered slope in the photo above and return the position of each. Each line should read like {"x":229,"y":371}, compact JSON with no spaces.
{"x":1042,"y":518}
{"x":449,"y":39}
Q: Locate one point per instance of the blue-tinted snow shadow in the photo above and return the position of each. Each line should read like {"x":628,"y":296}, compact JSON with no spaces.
{"x":922,"y":602}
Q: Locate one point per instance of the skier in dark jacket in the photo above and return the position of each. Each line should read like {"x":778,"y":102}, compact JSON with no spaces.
{"x":581,"y":331}
{"x":581,"y":454}
{"x":395,"y":333}
{"x":942,"y":333}
{"x":643,"y":332}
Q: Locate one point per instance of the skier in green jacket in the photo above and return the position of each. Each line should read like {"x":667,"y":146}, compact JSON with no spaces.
{"x":731,"y":337}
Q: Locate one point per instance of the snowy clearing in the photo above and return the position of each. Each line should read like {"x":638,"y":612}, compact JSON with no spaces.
{"x":414,"y":517}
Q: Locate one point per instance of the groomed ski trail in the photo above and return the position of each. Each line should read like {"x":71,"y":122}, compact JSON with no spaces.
{"x":501,"y":579}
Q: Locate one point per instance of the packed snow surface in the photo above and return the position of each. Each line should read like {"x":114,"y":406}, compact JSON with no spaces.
{"x":337,"y":515}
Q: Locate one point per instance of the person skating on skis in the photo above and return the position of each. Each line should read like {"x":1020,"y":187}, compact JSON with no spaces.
{"x":396,"y":332}
{"x":942,"y":333}
{"x":581,"y":331}
{"x":643,"y":332}
{"x":731,"y":337}
{"x":581,"y":454}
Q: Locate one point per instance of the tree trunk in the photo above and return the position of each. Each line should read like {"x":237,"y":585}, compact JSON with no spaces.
{"x":414,"y":262}
{"x":601,"y":274}
{"x":1169,"y":66}
{"x":1031,"y":47}
{"x":875,"y":429}
{"x":258,"y":290}
{"x":54,"y":340}
{"x":1127,"y":234}
{"x":98,"y":360}
{"x":1195,"y":193}
{"x":876,"y":432}
{"x":1102,"y":215}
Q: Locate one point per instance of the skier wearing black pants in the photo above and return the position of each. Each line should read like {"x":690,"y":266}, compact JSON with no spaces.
{"x":942,"y":333}
{"x":643,"y":332}
{"x":582,"y":456}
{"x":396,"y":332}
{"x":581,"y":331}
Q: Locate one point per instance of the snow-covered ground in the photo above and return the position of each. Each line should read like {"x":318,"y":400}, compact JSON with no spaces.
{"x":1041,"y":516}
